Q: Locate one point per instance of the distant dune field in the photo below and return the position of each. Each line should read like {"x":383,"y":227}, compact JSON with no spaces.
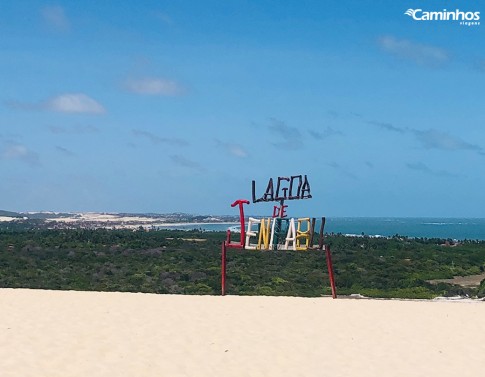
{"x":90,"y":334}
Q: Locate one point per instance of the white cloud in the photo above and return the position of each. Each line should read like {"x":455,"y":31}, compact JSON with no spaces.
{"x":329,"y":131}
{"x":80,"y":129}
{"x":154,"y":86}
{"x":233,"y":149}
{"x":422,"y":167}
{"x":341,"y":169}
{"x":165,"y":18}
{"x":434,"y":139}
{"x":186,"y":163}
{"x":387,"y":126}
{"x":15,"y":151}
{"x":480,"y":65}
{"x":419,"y":53}
{"x":64,"y":151}
{"x":282,"y":129}
{"x":292,"y":137}
{"x":237,"y":150}
{"x":74,"y":103}
{"x":25,"y":106}
{"x":155,"y":139}
{"x":56,"y":17}
{"x":64,"y":103}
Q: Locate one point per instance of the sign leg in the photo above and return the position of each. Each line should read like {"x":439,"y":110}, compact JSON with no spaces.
{"x":223,"y":269}
{"x":330,"y":271}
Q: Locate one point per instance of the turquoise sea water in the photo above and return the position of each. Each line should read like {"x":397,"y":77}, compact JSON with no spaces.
{"x":454,"y":228}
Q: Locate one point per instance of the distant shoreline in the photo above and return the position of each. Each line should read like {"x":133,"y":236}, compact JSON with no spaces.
{"x":209,"y":223}
{"x":410,"y":227}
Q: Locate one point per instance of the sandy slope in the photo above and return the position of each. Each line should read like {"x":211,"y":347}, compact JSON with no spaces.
{"x":55,"y":333}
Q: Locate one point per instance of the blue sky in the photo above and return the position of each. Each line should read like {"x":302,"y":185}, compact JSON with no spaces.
{"x":164,"y":106}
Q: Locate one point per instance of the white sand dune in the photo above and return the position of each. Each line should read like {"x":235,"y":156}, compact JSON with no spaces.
{"x":8,"y":218}
{"x":90,"y":334}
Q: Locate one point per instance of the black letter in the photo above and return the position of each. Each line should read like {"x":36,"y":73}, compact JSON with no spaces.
{"x":269,"y":192}
{"x":254,"y":193}
{"x":278,"y":197}
{"x":305,"y":188}
{"x":297,"y":196}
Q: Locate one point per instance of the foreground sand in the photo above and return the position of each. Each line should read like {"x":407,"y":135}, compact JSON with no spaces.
{"x":55,"y":333}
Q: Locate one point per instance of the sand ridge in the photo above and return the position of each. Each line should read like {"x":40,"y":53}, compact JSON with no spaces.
{"x":58,"y":333}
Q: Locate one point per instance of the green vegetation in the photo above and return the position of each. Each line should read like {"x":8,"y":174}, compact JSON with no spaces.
{"x":481,"y":289}
{"x":179,"y":262}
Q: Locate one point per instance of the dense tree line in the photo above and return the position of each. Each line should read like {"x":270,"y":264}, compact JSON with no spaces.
{"x":180,"y":262}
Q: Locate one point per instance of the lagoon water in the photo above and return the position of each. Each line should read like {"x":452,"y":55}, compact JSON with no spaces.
{"x":454,"y":228}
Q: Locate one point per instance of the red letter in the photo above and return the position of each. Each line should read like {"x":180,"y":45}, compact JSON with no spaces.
{"x":240,"y":245}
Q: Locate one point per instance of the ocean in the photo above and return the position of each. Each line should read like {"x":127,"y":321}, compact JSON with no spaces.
{"x":453,"y":228}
